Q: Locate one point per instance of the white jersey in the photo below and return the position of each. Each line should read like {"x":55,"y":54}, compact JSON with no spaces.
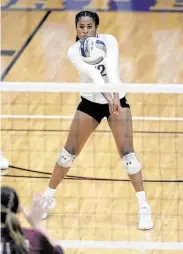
{"x":106,"y":71}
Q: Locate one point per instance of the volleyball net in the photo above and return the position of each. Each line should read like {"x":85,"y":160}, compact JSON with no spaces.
{"x":39,"y":116}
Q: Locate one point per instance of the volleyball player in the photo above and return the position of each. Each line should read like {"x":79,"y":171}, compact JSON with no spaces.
{"x":92,"y":109}
{"x":17,"y":240}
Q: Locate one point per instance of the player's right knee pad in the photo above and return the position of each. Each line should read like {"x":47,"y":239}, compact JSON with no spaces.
{"x":131,"y":163}
{"x":65,"y":159}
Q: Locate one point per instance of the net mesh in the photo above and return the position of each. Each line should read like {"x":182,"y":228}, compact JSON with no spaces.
{"x":45,"y":117}
{"x":35,"y":126}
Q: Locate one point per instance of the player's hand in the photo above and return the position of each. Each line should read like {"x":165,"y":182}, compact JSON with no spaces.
{"x":35,"y":214}
{"x":114,"y":107}
{"x":36,"y":211}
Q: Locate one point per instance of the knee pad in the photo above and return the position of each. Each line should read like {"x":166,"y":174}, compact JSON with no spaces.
{"x":65,"y":159}
{"x":131,"y":163}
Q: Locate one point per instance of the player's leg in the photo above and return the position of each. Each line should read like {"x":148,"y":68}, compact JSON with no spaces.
{"x":81,"y":128}
{"x":121,"y":127}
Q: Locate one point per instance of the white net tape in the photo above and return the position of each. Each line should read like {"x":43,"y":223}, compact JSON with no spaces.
{"x":87,"y":87}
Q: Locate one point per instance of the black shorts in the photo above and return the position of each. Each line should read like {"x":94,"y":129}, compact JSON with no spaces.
{"x":96,"y":110}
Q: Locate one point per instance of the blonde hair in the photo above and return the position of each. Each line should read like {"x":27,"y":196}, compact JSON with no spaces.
{"x":17,"y":245}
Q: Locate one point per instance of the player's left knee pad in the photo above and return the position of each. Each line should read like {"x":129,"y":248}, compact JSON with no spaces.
{"x":131,"y":163}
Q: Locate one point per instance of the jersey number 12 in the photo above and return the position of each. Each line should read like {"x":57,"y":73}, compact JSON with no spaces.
{"x":101,"y":68}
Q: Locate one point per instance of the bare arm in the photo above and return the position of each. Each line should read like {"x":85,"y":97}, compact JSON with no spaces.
{"x":34,"y":216}
{"x":108,"y":97}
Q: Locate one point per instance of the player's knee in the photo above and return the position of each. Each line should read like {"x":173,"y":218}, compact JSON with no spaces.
{"x":125,"y":151}
{"x":131,"y":163}
{"x":65,"y":159}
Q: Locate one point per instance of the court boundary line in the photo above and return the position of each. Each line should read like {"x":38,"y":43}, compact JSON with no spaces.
{"x":135,"y":245}
{"x":23,"y":47}
{"x":7,"y":52}
{"x":135,"y":118}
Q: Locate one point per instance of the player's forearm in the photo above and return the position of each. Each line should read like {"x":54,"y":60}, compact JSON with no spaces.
{"x":116,"y":96}
{"x":108,"y":97}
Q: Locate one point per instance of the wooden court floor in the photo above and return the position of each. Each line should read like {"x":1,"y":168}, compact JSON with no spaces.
{"x":151,"y":51}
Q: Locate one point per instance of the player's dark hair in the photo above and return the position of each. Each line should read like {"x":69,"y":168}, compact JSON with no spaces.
{"x":9,"y":206}
{"x":90,"y":14}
